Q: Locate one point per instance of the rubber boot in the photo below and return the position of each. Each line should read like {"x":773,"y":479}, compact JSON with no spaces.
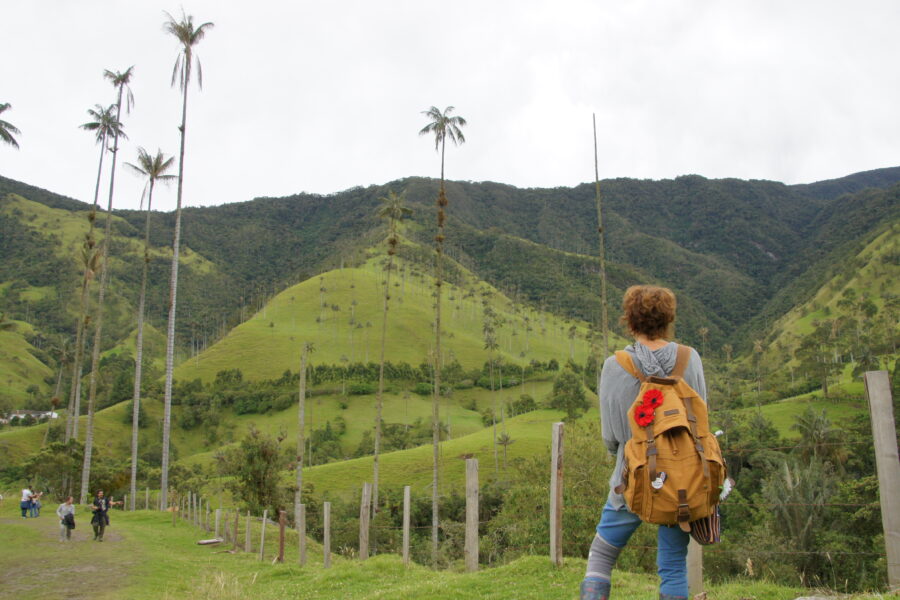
{"x":593,"y":588}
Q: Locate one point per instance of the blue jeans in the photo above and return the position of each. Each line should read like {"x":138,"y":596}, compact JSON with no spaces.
{"x":616,"y":527}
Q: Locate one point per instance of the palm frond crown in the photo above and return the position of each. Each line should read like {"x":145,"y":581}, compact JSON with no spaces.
{"x":188,"y":36}
{"x":444,"y":126}
{"x":104,"y":124}
{"x":122,"y":79}
{"x":7,"y":129}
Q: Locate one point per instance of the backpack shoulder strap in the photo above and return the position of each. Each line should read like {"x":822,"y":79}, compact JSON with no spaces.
{"x":624,"y":360}
{"x":682,"y":358}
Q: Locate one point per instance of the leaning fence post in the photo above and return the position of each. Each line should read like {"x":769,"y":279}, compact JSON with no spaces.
{"x":364,"y":521}
{"x":406,"y":525}
{"x":300,"y":524}
{"x":695,"y":568}
{"x":884,"y":436}
{"x":326,"y":539}
{"x":262,"y":535}
{"x":471,"y":543}
{"x":248,"y":543}
{"x":556,"y":495}
{"x":281,"y":536}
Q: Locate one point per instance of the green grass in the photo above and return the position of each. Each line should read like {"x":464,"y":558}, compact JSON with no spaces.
{"x":784,"y":413}
{"x":145,"y":557}
{"x":269,"y":342}
{"x":873,"y":277}
{"x":19,"y":369}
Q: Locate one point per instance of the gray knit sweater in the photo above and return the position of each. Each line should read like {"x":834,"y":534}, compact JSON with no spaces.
{"x":618,"y":389}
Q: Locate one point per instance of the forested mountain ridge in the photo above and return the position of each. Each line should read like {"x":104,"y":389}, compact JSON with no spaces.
{"x":739,"y":253}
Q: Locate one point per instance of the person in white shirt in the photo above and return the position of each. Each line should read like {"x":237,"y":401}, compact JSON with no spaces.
{"x":25,"y":505}
{"x":66,"y":514}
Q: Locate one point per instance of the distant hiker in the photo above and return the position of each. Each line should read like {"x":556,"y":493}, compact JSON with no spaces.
{"x":649,"y":313}
{"x":36,"y":504}
{"x":25,"y":504}
{"x":100,"y":520}
{"x":66,"y":514}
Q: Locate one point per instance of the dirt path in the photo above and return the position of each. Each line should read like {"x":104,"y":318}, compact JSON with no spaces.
{"x":34,"y":564}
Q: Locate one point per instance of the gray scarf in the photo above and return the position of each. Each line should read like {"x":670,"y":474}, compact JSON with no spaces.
{"x":654,"y":362}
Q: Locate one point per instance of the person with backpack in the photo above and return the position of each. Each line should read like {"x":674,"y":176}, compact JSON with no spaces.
{"x":654,"y":384}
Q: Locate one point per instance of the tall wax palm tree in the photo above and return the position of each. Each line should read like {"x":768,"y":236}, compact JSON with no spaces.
{"x":442,"y":126}
{"x":394,"y":211}
{"x":154,"y":169}
{"x":121,"y":81}
{"x":188,"y":36}
{"x":7,"y":129}
{"x":103,"y":125}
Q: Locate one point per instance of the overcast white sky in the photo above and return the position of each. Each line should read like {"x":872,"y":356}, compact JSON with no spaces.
{"x":323,"y":96}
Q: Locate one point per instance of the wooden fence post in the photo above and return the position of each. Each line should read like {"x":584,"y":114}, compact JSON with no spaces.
{"x":237,"y":524}
{"x":198,"y":504}
{"x":146,"y":498}
{"x":262,"y":535}
{"x":884,"y":436}
{"x":300,"y":524}
{"x":471,"y":543}
{"x":695,"y":568}
{"x":556,"y":495}
{"x":218,"y":520}
{"x":174,"y":513}
{"x":206,"y":517}
{"x":125,"y":503}
{"x":406,"y":503}
{"x":248,"y":542}
{"x":364,"y":514}
{"x":326,"y":540}
{"x":281,"y":536}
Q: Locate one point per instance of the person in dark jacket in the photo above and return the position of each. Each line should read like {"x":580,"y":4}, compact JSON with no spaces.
{"x":100,"y":520}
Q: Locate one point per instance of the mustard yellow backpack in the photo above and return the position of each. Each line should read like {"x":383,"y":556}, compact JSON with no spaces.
{"x":673,"y":468}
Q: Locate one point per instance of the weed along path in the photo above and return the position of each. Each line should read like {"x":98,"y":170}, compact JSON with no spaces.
{"x":35,"y":564}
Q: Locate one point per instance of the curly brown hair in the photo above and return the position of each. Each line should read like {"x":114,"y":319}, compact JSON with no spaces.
{"x":649,"y":310}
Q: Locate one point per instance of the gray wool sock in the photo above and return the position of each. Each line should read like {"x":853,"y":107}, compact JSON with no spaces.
{"x":601,"y":559}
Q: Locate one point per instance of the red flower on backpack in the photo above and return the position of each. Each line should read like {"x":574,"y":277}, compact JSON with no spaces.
{"x":644,"y":415}
{"x":652,"y":398}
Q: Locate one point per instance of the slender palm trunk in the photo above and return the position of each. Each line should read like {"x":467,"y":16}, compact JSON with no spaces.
{"x":435,"y":410}
{"x":301,"y":429}
{"x":98,"y":322}
{"x":379,"y":399}
{"x":604,"y":318}
{"x":494,"y":415}
{"x":173,"y":291}
{"x":139,"y":353}
{"x":75,"y":394}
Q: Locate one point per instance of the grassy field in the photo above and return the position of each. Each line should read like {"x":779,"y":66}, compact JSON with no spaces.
{"x":19,"y":368}
{"x":873,"y":276}
{"x":145,"y":557}
{"x":344,"y":324}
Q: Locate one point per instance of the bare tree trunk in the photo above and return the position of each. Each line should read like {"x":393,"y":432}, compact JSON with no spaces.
{"x":89,"y":242}
{"x":379,"y":400}
{"x":435,"y":410}
{"x":173,"y":293}
{"x":301,"y":422}
{"x":98,"y":322}
{"x":604,"y":318}
{"x":139,"y":353}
